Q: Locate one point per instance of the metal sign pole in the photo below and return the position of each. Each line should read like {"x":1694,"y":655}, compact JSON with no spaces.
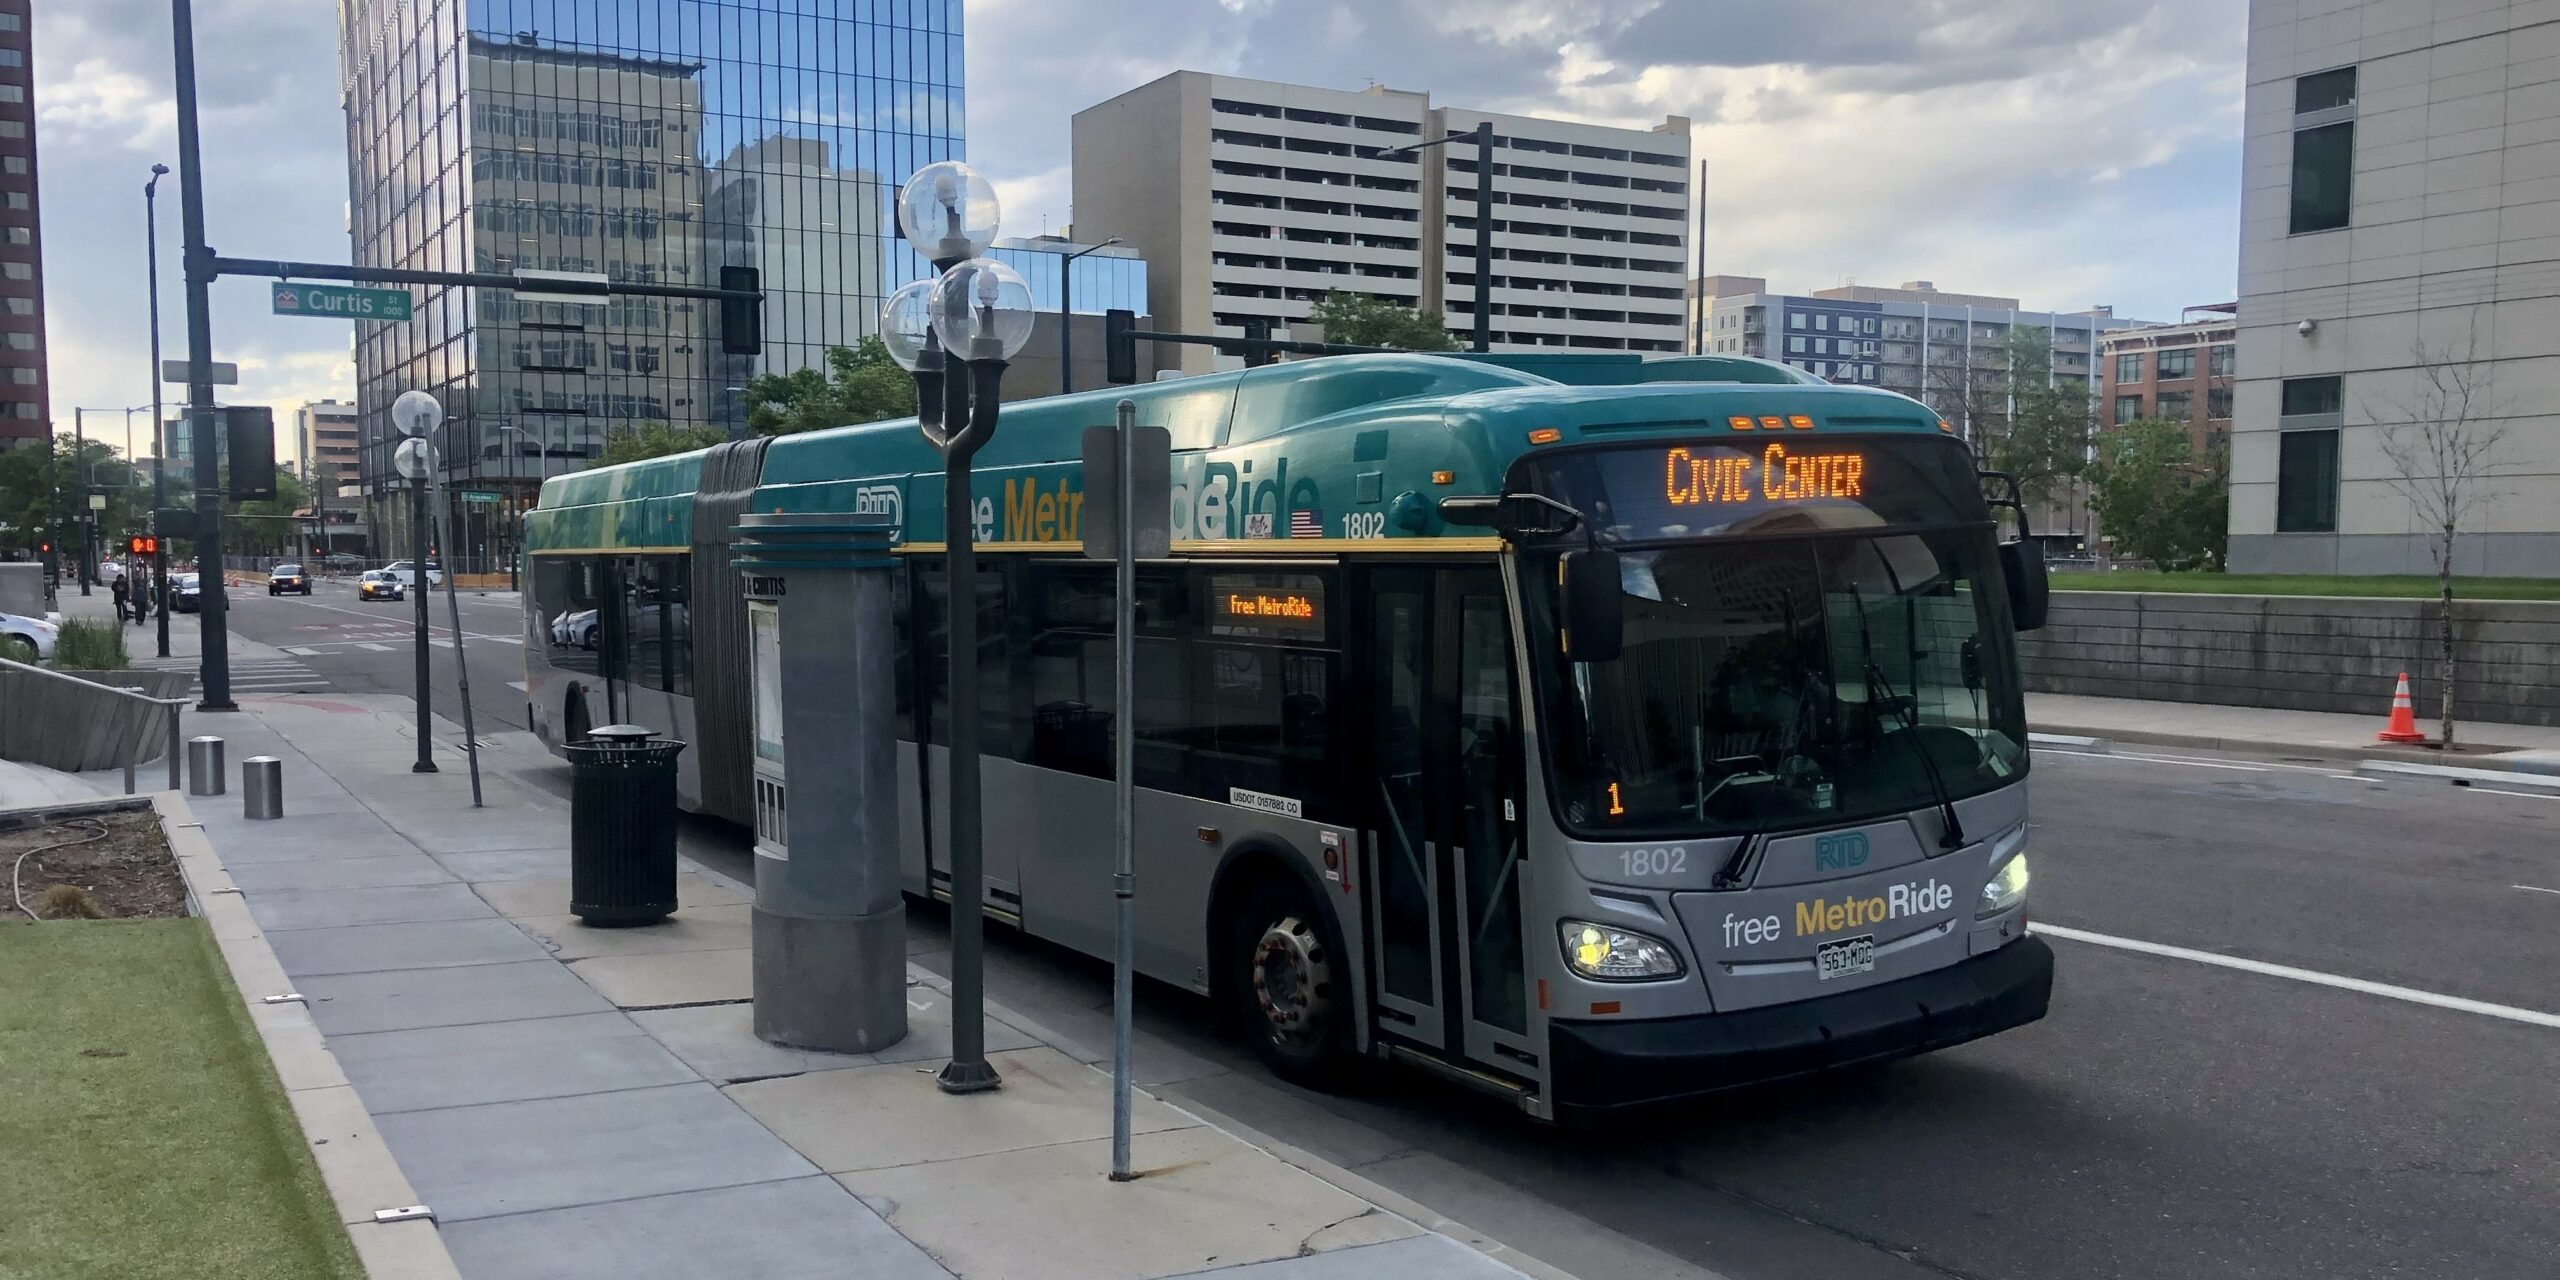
{"x":453,"y":604}
{"x":1124,"y":879}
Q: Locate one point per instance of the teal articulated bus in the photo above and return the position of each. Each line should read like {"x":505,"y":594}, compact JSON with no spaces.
{"x":1591,"y":730}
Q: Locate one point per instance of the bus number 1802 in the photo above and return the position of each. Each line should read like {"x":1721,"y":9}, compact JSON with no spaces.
{"x":1364,"y":524}
{"x":1654,"y":862}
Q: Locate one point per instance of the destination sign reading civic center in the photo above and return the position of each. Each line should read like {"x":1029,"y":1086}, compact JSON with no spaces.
{"x":1707,"y":476}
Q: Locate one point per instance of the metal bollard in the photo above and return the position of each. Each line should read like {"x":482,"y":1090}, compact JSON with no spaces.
{"x":262,"y":787}
{"x":204,"y":766}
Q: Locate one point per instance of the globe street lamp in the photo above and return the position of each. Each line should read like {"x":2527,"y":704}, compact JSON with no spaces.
{"x":955,"y":334}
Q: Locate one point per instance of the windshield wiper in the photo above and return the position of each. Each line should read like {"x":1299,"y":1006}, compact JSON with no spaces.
{"x":1880,"y":691}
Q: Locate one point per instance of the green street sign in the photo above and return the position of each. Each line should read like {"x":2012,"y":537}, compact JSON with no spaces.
{"x":340,"y":302}
{"x":480,"y":497}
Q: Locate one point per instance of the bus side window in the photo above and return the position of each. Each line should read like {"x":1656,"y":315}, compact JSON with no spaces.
{"x":995,"y":697}
{"x":1065,"y":682}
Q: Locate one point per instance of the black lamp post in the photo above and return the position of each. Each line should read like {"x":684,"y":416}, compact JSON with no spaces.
{"x":955,"y":334}
{"x":1067,"y":313}
{"x":1482,"y":136}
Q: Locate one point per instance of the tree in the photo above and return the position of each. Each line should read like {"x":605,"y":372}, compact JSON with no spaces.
{"x":2442,"y":444}
{"x":40,"y":497}
{"x":1359,"y":320}
{"x":265,"y":526}
{"x":2049,"y":421}
{"x":860,"y":384}
{"x":2158,"y":500}
{"x":657,"y":440}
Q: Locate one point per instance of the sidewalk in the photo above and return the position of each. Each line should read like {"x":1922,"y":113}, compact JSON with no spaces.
{"x":2194,"y":724}
{"x":575,"y":1102}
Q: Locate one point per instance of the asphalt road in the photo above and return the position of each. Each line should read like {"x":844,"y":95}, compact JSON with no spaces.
{"x":334,"y":641}
{"x":2172,"y":1117}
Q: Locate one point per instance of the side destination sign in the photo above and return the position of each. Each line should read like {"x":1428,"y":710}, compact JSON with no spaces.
{"x":340,"y":302}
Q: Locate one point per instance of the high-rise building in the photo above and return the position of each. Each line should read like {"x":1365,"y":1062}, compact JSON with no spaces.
{"x":2399,"y":237}
{"x":2172,"y":372}
{"x":651,"y":142}
{"x":26,"y":412}
{"x":324,"y":445}
{"x":1252,"y":200}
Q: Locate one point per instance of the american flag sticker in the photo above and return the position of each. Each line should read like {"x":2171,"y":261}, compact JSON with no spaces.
{"x":1306,"y":523}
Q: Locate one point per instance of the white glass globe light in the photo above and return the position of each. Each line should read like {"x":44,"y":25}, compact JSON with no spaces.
{"x":906,"y":323}
{"x":948,"y":211}
{"x":982,"y":310}
{"x":416,"y":413}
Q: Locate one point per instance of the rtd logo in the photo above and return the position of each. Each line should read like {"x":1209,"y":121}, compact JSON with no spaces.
{"x":1840,"y":852}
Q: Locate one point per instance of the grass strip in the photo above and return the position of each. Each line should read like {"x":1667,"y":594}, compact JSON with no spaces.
{"x":2392,"y":587}
{"x":143,"y":1132}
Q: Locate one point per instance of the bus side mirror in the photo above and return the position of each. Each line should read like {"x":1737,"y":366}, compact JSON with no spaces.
{"x":1595,"y":615}
{"x":2022,"y":564}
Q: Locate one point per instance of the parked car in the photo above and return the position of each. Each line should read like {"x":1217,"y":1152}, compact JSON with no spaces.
{"x":288,"y":577}
{"x":575,"y":630}
{"x":407,"y":571}
{"x":185,"y":594}
{"x":25,"y":639}
{"x":380,"y":584}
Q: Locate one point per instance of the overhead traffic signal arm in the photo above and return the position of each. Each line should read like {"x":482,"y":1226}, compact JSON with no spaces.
{"x":1121,"y":335}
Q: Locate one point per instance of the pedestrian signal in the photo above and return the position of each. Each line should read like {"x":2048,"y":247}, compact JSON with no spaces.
{"x":141,"y":545}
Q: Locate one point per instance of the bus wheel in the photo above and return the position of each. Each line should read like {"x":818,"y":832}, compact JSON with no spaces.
{"x":1289,"y":985}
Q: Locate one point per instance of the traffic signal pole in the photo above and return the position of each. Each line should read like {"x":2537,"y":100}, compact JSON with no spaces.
{"x":214,"y":679}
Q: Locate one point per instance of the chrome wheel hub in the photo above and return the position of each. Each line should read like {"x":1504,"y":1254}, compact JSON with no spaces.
{"x":1293,"y":981}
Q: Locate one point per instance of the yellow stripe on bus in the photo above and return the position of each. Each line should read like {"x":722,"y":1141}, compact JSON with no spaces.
{"x":1248,"y":546}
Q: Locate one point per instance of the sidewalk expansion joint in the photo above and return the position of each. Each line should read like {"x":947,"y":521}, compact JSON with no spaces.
{"x":681,"y":1004}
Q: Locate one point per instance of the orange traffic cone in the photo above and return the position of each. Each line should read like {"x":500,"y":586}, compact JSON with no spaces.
{"x":2404,"y":719}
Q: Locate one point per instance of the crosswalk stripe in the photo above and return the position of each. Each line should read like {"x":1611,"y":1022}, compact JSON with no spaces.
{"x":305,"y":652}
{"x":377,"y":648}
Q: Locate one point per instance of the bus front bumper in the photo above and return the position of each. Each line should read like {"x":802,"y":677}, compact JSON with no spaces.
{"x":1603,"y":1066}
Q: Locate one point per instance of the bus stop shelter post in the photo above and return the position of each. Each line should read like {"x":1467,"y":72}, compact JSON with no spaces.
{"x":1124,"y":878}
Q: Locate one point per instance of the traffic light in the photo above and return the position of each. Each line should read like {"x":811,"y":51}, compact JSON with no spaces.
{"x":741,"y":318}
{"x":252,"y":432}
{"x":1257,"y":331}
{"x":1119,"y":349}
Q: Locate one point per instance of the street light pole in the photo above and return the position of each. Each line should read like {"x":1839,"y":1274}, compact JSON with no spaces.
{"x":159,"y":454}
{"x":215,"y":675}
{"x":80,"y":493}
{"x":1067,"y":313}
{"x":1482,"y":136}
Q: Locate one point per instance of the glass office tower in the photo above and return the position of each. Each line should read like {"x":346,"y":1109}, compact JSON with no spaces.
{"x":649,"y":140}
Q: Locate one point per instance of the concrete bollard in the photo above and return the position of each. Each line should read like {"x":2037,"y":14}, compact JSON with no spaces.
{"x":262,"y":787}
{"x":204,"y":766}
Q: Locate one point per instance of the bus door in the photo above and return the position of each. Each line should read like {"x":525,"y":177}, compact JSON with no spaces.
{"x":1445,"y":863}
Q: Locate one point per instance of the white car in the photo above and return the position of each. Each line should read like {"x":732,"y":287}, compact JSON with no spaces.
{"x":407,"y":571}
{"x":575,"y":630}
{"x":25,"y":639}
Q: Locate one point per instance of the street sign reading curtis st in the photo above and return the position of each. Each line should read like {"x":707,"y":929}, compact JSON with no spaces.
{"x":340,"y":302}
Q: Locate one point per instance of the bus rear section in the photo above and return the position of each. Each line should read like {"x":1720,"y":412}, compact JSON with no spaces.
{"x":1782,"y":829}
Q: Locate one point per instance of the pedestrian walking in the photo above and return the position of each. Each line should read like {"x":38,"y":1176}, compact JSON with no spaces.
{"x":124,"y":595}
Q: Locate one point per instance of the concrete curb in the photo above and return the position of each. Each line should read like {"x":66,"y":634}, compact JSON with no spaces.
{"x":361,"y":1176}
{"x":2529,"y":765}
{"x":2462,"y":773}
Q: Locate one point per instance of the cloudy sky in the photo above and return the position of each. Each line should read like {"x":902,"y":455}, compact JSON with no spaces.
{"x":2066,"y":153}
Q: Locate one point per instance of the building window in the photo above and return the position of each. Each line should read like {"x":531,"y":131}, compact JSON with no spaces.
{"x":2323,"y":172}
{"x":2217,"y":402}
{"x":12,"y":58}
{"x":21,"y":306}
{"x":1795,"y":319}
{"x":1795,"y":346}
{"x":2224,"y":359}
{"x":2178,"y":363}
{"x":18,"y":270}
{"x":23,"y":377}
{"x":2129,"y":367}
{"x":2324,"y":91}
{"x":22,"y":235}
{"x":13,"y":128}
{"x":1822,"y":322}
{"x":13,"y":93}
{"x":2128,"y":408}
{"x":1822,"y":346}
{"x":8,"y":22}
{"x":13,"y":164}
{"x":2313,"y":395}
{"x":2172,"y":406}
{"x":22,"y":342}
{"x":2307,"y":482}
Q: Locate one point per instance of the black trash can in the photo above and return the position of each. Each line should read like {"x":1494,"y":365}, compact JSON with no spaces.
{"x":622,"y":827}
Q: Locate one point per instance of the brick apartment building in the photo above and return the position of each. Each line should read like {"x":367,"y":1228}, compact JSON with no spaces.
{"x":25,"y":412}
{"x":2181,"y":372}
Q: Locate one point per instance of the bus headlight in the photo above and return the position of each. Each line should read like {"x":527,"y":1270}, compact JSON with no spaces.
{"x":2006,"y":888}
{"x":1615,"y":955}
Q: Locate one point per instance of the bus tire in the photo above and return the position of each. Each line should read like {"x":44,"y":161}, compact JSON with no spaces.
{"x":1290,"y":991}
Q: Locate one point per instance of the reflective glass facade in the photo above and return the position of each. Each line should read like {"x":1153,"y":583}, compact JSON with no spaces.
{"x":648,"y":140}
{"x":1103,"y":280}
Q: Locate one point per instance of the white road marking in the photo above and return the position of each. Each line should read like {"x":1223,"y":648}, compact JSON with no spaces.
{"x":2533,"y":888}
{"x":2199,"y":764}
{"x":377,"y":648}
{"x":2459,"y":1004}
{"x":303,"y":650}
{"x":2501,"y":791}
{"x":2463,"y":772}
{"x":517,"y":685}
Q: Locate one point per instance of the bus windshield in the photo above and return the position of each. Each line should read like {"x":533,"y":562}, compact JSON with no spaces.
{"x":1769,"y":684}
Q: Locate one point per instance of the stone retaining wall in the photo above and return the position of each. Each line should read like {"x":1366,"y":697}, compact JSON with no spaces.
{"x":2300,"y":653}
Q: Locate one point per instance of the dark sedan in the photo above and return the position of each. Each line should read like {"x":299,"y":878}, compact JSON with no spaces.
{"x":184,"y":592}
{"x":288,"y":577}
